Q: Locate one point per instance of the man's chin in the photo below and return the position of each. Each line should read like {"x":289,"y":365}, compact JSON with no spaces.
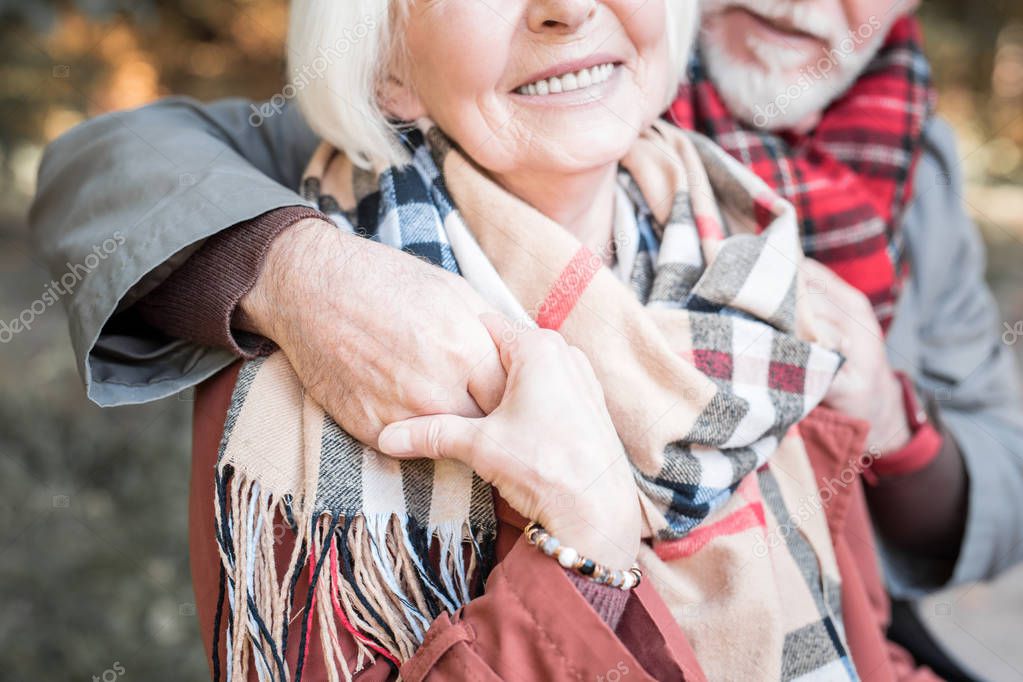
{"x":776,"y":99}
{"x":775,"y":106}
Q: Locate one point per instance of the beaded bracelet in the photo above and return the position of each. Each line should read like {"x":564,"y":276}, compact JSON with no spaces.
{"x":569,"y":558}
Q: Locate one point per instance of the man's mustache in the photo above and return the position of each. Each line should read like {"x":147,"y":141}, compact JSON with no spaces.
{"x":799,"y":17}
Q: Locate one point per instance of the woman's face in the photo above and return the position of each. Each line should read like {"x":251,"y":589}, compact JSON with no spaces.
{"x":538,"y":85}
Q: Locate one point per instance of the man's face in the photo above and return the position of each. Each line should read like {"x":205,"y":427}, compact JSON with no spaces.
{"x":779,"y":63}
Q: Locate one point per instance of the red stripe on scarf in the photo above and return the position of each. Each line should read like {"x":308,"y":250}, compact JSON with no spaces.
{"x":567,"y":289}
{"x":340,"y":614}
{"x":763,"y":211}
{"x":750,"y":516}
{"x":708,"y":227}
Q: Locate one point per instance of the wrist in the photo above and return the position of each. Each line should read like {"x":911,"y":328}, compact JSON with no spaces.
{"x":919,"y":450}
{"x":291,"y":258}
{"x":613,"y":542}
{"x":890,"y":429}
{"x":572,"y":559}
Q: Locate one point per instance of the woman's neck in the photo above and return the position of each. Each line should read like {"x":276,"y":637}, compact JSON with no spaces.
{"x":582,"y":203}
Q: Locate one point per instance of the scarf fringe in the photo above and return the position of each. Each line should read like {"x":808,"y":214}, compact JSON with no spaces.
{"x":365,"y":575}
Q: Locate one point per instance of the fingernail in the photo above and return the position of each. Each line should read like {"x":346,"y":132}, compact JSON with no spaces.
{"x":396,"y":441}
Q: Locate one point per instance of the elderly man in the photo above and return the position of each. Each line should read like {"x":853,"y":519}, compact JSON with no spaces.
{"x":829,"y":102}
{"x":201,"y":193}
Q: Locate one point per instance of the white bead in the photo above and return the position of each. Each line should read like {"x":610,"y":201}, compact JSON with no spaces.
{"x":567,"y":557}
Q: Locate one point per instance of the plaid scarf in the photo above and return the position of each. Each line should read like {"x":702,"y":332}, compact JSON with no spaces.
{"x":706,"y":336}
{"x":852,"y":177}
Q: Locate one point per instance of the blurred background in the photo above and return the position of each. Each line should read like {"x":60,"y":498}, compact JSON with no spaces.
{"x":93,"y":554}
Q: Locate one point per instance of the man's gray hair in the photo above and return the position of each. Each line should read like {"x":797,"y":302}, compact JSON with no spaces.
{"x":339,"y":52}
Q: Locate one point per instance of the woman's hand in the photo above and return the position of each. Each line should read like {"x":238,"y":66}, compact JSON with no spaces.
{"x":865,"y":387}
{"x":374,"y":334}
{"x":549,"y":448}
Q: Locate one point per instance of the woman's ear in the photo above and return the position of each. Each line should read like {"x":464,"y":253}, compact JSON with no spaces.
{"x":399,"y":100}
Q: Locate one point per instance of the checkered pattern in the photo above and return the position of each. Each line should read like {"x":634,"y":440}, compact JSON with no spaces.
{"x":701,"y":366}
{"x":736,"y":298}
{"x":851,"y":178}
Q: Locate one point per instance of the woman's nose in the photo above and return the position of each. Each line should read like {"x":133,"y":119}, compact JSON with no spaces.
{"x":559,"y":16}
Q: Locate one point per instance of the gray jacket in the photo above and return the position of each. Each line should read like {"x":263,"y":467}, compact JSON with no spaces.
{"x":163,"y":178}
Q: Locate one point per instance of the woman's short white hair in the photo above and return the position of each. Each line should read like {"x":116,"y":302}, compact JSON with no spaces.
{"x":338,"y":51}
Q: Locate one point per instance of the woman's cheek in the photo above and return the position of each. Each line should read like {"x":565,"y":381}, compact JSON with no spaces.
{"x":644,"y":22}
{"x":645,"y":30}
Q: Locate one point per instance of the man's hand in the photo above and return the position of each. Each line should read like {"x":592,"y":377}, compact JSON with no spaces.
{"x":550,"y":448}
{"x":866,"y":386}
{"x":374,"y":334}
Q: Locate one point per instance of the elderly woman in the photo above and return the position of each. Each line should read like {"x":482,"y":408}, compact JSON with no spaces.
{"x":657,"y":357}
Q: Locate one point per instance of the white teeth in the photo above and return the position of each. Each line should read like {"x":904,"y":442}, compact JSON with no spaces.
{"x":577,"y":80}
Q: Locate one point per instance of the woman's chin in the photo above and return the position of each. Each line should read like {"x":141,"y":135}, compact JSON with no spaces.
{"x":589,"y":132}
{"x":585,"y":152}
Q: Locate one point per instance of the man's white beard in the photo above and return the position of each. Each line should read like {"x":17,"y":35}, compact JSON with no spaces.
{"x":783,"y":95}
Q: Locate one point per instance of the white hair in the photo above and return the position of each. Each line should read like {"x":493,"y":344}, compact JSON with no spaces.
{"x":338,"y":53}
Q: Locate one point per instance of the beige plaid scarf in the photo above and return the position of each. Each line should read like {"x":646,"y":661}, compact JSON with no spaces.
{"x":707,"y":364}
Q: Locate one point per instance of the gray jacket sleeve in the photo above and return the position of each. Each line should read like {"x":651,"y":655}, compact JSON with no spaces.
{"x":125,"y":198}
{"x":947,"y":335}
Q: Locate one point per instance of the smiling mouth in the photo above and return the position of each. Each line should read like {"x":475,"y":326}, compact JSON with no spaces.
{"x":567,"y":82}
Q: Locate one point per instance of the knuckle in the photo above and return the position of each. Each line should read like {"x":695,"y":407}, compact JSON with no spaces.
{"x":417,"y":398}
{"x":860,"y":304}
{"x":578,"y":354}
{"x":435,"y":436}
{"x":543,"y":341}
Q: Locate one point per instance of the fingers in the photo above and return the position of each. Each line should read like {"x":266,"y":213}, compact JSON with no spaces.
{"x":464,"y":405}
{"x":830,"y":284}
{"x":584,"y":369}
{"x":515,"y":346}
{"x":832,"y":295}
{"x":518,"y":343}
{"x":442,"y":436}
{"x":487,"y":381}
{"x":502,"y":332}
{"x":829,"y":334}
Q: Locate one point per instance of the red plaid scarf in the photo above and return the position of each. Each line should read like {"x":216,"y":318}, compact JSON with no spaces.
{"x":850,"y":179}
